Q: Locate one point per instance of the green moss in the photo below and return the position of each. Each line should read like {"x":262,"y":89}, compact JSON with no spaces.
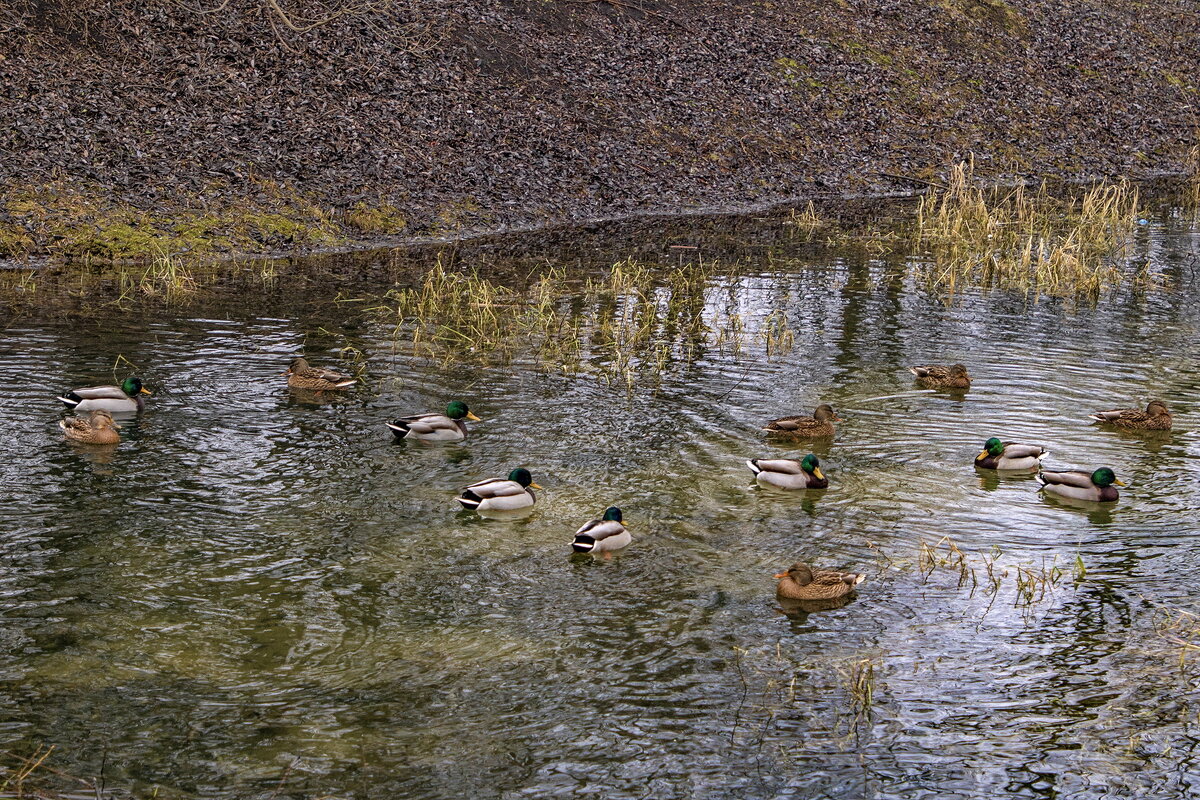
{"x":71,"y":223}
{"x":384,"y":219}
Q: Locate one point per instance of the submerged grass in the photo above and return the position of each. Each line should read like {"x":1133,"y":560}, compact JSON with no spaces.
{"x":626,"y":326}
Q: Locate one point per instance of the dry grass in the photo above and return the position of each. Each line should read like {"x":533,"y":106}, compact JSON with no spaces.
{"x":1026,"y":240}
{"x":1192,"y":181}
{"x":1031,"y":583}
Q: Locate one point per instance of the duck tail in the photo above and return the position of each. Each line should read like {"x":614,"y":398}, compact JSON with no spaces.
{"x":1097,"y":417}
{"x":399,"y":428}
{"x":1041,"y":479}
{"x":469,"y":499}
{"x":753,"y":465}
{"x":583,"y":543}
{"x":859,"y":577}
{"x":344,"y":384}
{"x":70,"y":399}
{"x":1042,"y":455}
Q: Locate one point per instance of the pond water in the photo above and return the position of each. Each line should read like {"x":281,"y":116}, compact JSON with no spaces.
{"x":261,"y":596}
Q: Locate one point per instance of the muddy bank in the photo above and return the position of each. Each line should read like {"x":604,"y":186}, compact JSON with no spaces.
{"x":256,"y":125}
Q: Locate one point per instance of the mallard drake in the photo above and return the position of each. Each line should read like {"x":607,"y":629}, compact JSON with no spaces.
{"x":1009,"y":455}
{"x":303,"y":376}
{"x":99,"y":428}
{"x":784,"y":473}
{"x":1079,"y":484}
{"x":123,"y":399}
{"x":935,"y":377}
{"x":818,"y":426}
{"x":434,"y":427}
{"x":802,"y":582}
{"x":501,"y":494}
{"x":606,"y":533}
{"x":1156,"y":417}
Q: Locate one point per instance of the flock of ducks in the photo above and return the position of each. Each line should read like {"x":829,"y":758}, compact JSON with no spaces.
{"x":515,"y":493}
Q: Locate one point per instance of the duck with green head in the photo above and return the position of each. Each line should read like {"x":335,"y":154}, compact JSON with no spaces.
{"x":786,"y":473}
{"x":124,"y":399}
{"x":600,"y":535}
{"x":501,"y":494}
{"x":1009,"y":455}
{"x":1079,"y":484}
{"x":434,"y":427}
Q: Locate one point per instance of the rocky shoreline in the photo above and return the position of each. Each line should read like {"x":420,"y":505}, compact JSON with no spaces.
{"x":131,"y":129}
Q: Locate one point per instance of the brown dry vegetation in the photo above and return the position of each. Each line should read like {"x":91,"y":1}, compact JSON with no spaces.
{"x":413,"y":117}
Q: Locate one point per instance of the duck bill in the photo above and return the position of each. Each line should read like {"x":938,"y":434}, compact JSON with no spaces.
{"x":982,"y":454}
{"x":1119,"y":482}
{"x":818,"y":473}
{"x":144,"y":390}
{"x":534,"y":486}
{"x":779,"y":575}
{"x":473,"y":417}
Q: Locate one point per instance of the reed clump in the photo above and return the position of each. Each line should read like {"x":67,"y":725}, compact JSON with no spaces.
{"x":1024,"y":239}
{"x":629,"y":324}
{"x":1192,"y":180}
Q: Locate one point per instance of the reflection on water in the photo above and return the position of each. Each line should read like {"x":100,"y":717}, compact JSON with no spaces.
{"x":255,"y":584}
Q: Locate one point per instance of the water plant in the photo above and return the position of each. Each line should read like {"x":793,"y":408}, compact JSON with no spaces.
{"x":1029,"y":240}
{"x":627,"y":325}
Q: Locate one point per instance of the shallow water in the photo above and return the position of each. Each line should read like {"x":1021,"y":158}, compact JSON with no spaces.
{"x":256,"y":595}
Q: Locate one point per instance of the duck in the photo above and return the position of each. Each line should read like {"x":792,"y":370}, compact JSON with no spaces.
{"x":434,"y":427}
{"x":600,"y":535}
{"x":1009,"y":455}
{"x":818,"y":426}
{"x":935,"y":377}
{"x":123,"y":399}
{"x":303,"y":376}
{"x":501,"y":494}
{"x":785,"y":473}
{"x":1079,"y":484}
{"x":98,"y":428}
{"x":802,"y":582}
{"x":1156,"y":417}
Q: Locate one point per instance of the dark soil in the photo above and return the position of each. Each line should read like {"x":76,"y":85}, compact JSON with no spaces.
{"x":482,"y":114}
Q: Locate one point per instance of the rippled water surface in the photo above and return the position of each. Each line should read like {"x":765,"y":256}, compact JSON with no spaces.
{"x":259,"y":595}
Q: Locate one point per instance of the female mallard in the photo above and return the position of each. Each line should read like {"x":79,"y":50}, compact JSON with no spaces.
{"x":801,"y":582}
{"x":606,"y":533}
{"x":818,"y":426}
{"x":1156,"y":417}
{"x":448,"y":427}
{"x":784,"y":473}
{"x":123,"y":399}
{"x":1079,"y":484}
{"x":302,"y":376}
{"x":499,"y":494}
{"x":97,"y":429}
{"x":1009,"y":455}
{"x":935,"y":377}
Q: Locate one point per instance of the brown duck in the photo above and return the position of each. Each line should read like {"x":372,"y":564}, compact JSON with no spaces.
{"x":933,"y":376}
{"x":302,"y":376}
{"x":99,"y":428}
{"x":818,"y":426}
{"x":1156,"y":417}
{"x":801,"y":582}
